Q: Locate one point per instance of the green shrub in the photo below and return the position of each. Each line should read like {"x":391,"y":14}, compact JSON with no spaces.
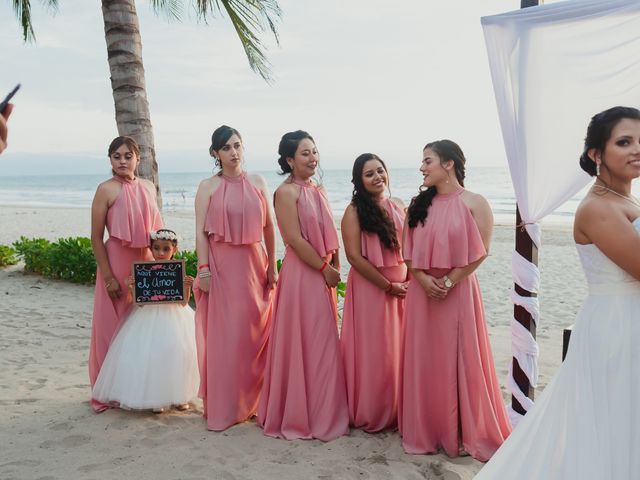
{"x":67,"y":259}
{"x":190,"y":262}
{"x":34,"y":253}
{"x":72,"y":259}
{"x":7,"y":255}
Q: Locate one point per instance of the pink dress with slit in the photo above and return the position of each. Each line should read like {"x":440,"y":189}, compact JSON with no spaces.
{"x":233,"y":318}
{"x":372,"y":334}
{"x":130,"y":220}
{"x":304,"y":393}
{"x":450,"y":397}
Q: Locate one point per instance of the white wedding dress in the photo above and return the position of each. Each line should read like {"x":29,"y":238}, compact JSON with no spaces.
{"x":586,"y":423}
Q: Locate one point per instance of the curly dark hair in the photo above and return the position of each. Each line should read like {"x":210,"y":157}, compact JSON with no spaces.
{"x":419,"y":206}
{"x":372,"y":217}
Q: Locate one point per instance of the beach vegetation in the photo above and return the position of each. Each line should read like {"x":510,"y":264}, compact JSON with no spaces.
{"x":7,"y":255}
{"x":68,"y":259}
{"x":190,"y":262}
{"x":249,"y":18}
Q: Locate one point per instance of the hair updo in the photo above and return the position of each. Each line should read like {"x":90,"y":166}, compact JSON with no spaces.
{"x":599,"y":133}
{"x":419,"y":206}
{"x":288,"y":147}
{"x":220,"y":137}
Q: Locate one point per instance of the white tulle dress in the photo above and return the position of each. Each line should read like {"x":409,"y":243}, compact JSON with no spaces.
{"x":586,"y":423}
{"x":152,"y":361}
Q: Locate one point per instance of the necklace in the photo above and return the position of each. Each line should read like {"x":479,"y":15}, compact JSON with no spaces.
{"x":628,"y":198}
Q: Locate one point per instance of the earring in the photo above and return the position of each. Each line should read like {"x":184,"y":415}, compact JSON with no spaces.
{"x":597,"y":169}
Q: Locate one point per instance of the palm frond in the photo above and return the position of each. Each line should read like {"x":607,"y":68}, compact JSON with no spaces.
{"x":172,"y":9}
{"x":22,"y":9}
{"x":249,"y":19}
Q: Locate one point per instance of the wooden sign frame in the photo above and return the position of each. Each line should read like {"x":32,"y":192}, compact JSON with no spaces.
{"x":146,"y":274}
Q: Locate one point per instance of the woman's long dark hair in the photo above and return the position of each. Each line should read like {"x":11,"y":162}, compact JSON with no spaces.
{"x":419,"y":206}
{"x":372,"y":217}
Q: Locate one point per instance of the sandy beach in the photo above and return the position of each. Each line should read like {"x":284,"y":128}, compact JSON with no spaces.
{"x":48,"y":431}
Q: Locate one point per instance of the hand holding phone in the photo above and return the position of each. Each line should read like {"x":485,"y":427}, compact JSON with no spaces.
{"x":8,"y":98}
{"x":5,"y":110}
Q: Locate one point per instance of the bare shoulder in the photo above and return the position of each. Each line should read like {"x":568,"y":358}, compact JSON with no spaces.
{"x":399,"y":203}
{"x":595,"y":213}
{"x":148,"y":185}
{"x":208,"y":185}
{"x":350,"y":212}
{"x":257,"y":180}
{"x":108,"y":189}
{"x":475,"y":201}
{"x":288,"y":190}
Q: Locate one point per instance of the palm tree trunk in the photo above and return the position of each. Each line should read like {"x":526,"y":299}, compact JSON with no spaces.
{"x":124,"y":52}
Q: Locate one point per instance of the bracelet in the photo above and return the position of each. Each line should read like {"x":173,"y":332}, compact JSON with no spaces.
{"x":204,"y":274}
{"x":204,"y":265}
{"x":109,"y":283}
{"x":324,"y":265}
{"x":389,"y":287}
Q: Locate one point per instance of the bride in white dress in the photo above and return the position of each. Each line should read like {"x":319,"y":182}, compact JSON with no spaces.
{"x":586,"y":423}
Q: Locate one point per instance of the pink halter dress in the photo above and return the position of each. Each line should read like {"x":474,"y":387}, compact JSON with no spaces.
{"x":450,"y":396}
{"x":233,"y":318}
{"x":372,"y":334}
{"x":130,"y":220}
{"x":304,"y":393}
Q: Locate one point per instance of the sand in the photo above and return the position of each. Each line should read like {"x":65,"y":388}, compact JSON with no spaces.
{"x":48,"y":430}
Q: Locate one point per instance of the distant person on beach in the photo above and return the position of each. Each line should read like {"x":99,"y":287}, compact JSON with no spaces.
{"x":450,"y":397}
{"x":304,"y":393}
{"x":236,"y":280}
{"x":374,"y":302}
{"x":4,"y":130}
{"x":585,"y":423}
{"x":126,"y":206}
{"x":152,"y":361}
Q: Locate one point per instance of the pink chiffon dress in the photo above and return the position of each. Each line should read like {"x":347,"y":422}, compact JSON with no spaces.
{"x":450,"y":397}
{"x":233,"y":318}
{"x":372,"y":334}
{"x":304,"y":394}
{"x":130,"y":220}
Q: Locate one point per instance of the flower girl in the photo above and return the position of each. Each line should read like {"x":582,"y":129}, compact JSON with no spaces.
{"x":152,"y":361}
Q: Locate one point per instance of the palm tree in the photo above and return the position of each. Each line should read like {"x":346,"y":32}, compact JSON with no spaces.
{"x":249,"y":18}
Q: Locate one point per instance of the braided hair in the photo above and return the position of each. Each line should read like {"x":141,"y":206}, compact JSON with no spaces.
{"x":419,"y":206}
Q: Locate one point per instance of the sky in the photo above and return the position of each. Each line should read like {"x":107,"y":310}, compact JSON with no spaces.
{"x":359,"y":75}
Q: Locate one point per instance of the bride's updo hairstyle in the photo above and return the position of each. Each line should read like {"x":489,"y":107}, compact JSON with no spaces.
{"x":419,"y":206}
{"x":288,"y":146}
{"x":599,"y":133}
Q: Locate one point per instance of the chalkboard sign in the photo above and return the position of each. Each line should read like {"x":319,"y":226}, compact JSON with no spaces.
{"x":158,"y":281}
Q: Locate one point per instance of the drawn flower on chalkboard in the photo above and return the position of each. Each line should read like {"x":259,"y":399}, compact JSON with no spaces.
{"x":156,"y":267}
{"x":157,"y":297}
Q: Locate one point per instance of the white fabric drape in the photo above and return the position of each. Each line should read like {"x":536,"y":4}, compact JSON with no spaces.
{"x":553,"y":67}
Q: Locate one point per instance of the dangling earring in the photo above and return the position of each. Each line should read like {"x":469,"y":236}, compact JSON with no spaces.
{"x":597,"y":169}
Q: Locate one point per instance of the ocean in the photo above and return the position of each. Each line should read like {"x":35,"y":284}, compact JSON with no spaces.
{"x":179,"y":189}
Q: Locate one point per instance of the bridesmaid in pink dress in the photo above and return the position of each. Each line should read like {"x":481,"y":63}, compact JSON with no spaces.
{"x":236,"y":278}
{"x":374,"y":302}
{"x":304,"y":393}
{"x":450,"y":397}
{"x":126,"y":206}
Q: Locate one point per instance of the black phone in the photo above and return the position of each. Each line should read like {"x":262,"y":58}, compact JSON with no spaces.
{"x":5,"y":102}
